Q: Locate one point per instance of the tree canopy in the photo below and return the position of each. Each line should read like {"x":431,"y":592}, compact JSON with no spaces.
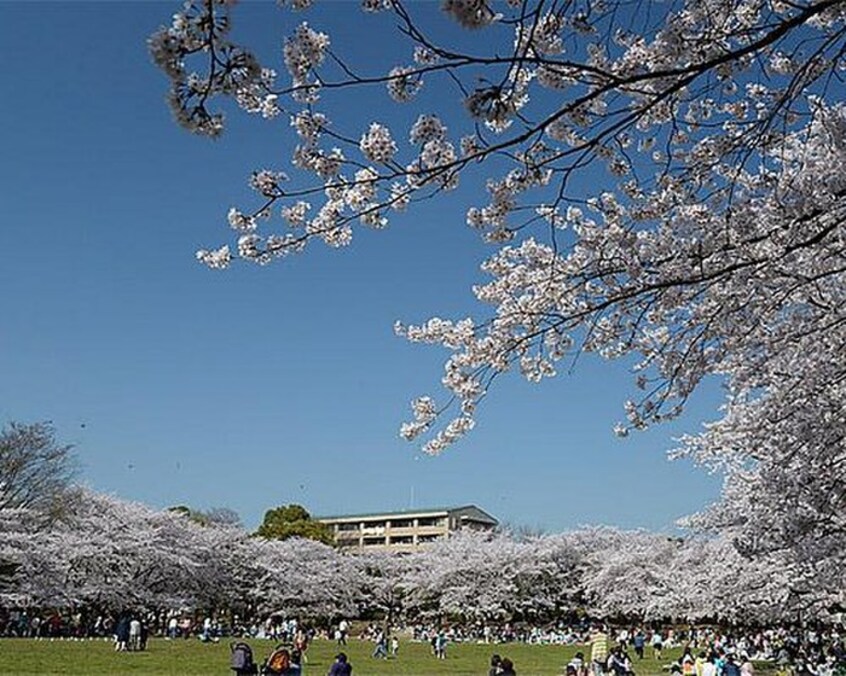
{"x":112,"y":554}
{"x":664,"y":182}
{"x":36,"y":470}
{"x":220,"y":516}
{"x":293,"y":521}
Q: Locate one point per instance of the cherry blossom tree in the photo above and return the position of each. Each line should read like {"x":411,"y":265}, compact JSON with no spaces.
{"x":713,"y":244}
{"x":484,"y":576}
{"x":709,"y":578}
{"x":385,"y":583}
{"x":299,"y":577}
{"x":113,"y":554}
{"x":19,"y":528}
{"x":664,"y":183}
{"x":650,"y":576}
{"x":787,"y":518}
{"x":110,"y":554}
{"x":625,"y":573}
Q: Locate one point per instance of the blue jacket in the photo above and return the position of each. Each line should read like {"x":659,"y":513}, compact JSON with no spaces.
{"x":341,"y":669}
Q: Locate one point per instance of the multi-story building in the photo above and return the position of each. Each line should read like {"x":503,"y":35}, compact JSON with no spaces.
{"x":405,"y":531}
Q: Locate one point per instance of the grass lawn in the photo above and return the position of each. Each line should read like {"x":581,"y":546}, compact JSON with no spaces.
{"x":184,"y":657}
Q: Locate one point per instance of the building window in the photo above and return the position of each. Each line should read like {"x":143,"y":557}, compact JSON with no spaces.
{"x":373,"y":542}
{"x":402,"y":540}
{"x":430,"y":522}
{"x":402,"y":523}
{"x":428,"y":538}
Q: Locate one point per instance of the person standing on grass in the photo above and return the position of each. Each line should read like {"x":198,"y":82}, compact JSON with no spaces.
{"x":720,"y":662}
{"x":657,"y":644}
{"x":708,"y":667}
{"x":122,"y":634}
{"x":301,"y":643}
{"x":639,"y":642}
{"x":598,"y":651}
{"x":172,"y":627}
{"x":699,"y":665}
{"x":440,"y":645}
{"x":135,"y":633}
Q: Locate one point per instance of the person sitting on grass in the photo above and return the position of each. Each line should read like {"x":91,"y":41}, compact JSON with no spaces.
{"x":507,"y":667}
{"x":283,"y":663}
{"x":576,"y":666}
{"x":341,"y":667}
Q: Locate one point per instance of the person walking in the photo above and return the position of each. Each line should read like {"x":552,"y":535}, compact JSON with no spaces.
{"x":381,"y":649}
{"x":657,"y":644}
{"x":301,"y":644}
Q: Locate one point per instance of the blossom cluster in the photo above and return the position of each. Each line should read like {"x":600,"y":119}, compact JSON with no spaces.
{"x":303,"y":52}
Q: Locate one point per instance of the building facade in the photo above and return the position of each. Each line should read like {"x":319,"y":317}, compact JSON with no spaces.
{"x":405,"y":531}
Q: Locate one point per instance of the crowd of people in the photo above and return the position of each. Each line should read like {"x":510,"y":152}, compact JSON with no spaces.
{"x":705,"y":651}
{"x":810,"y":651}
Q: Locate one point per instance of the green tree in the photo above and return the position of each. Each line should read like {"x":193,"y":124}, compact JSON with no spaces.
{"x":289,"y":521}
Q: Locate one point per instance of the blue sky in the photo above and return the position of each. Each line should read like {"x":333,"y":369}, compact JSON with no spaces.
{"x":257,"y":387}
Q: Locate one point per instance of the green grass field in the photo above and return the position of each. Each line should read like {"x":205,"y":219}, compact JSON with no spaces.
{"x":88,"y":658}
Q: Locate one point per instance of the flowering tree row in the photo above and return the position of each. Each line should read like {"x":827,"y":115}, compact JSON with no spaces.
{"x":109,"y":554}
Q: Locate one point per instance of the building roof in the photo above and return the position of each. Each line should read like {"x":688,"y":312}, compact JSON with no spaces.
{"x":473,"y":513}
{"x":466,"y":511}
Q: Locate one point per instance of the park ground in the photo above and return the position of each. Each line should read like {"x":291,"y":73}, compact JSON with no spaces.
{"x":188,"y":657}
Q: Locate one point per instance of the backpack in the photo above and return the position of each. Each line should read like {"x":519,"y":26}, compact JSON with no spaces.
{"x":279,"y":661}
{"x":241,"y":659}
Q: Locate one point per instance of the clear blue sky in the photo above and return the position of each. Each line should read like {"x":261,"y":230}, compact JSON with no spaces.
{"x":257,"y":387}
